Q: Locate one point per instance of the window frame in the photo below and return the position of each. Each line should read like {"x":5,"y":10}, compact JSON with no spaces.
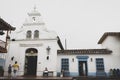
{"x":100,"y":65}
{"x":29,"y":34}
{"x":65,"y":64}
{"x":36,"y":32}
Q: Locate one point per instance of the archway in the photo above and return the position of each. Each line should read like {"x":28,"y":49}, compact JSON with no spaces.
{"x":30,"y":67}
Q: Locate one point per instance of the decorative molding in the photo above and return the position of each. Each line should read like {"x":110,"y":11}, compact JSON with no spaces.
{"x":34,"y":14}
{"x":36,"y":39}
{"x":85,"y":51}
{"x":29,"y":54}
{"x":30,"y":24}
{"x":31,"y":45}
{"x":82,"y":57}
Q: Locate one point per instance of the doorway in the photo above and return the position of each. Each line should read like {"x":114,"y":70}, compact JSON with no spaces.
{"x":83,"y":68}
{"x":30,"y":65}
{"x":30,"y":62}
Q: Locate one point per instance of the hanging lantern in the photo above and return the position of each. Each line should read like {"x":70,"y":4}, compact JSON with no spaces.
{"x":48,"y":49}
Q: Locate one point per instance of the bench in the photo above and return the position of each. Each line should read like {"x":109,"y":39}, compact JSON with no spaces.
{"x":49,"y":73}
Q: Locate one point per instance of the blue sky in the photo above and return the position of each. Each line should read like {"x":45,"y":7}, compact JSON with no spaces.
{"x":81,"y":22}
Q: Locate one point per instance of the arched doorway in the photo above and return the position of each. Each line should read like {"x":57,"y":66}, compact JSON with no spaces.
{"x":30,"y":67}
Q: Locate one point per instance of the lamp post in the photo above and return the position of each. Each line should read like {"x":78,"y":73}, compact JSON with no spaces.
{"x":48,"y":50}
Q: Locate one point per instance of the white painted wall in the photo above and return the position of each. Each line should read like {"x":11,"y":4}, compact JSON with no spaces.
{"x":18,"y":51}
{"x":46,"y":38}
{"x":109,"y":62}
{"x":112,"y":43}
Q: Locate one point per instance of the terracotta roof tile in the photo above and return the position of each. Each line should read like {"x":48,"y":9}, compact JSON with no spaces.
{"x":5,"y":26}
{"x":85,"y":51}
{"x":108,"y":34}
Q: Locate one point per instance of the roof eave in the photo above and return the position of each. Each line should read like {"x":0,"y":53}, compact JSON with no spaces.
{"x":5,"y":26}
{"x":85,"y":51}
{"x":108,"y":34}
{"x":59,"y":43}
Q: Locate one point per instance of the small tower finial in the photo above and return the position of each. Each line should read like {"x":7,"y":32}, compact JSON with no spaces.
{"x":34,"y":7}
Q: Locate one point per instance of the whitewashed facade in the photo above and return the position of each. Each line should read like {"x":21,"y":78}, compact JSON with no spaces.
{"x":87,"y":58}
{"x":110,"y":56}
{"x":35,"y":48}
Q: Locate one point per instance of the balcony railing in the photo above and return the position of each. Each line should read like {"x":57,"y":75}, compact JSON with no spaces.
{"x":2,"y":47}
{"x":2,"y":43}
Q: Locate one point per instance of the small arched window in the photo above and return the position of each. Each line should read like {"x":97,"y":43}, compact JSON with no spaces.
{"x":36,"y":34}
{"x":29,"y":34}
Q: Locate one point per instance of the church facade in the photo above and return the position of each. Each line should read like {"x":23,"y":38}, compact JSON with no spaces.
{"x":33,"y":47}
{"x":36,"y":48}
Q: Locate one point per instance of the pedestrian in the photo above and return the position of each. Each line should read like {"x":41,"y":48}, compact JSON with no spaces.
{"x":9,"y":70}
{"x":62,"y":73}
{"x":15,"y":68}
{"x":45,"y":73}
{"x":111,"y":72}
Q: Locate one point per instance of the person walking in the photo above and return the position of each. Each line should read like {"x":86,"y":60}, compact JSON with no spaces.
{"x":15,"y":68}
{"x":9,"y":70}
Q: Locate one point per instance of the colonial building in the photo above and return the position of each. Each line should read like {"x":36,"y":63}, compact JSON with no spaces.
{"x":35,"y":48}
{"x":4,"y":26}
{"x":92,"y":62}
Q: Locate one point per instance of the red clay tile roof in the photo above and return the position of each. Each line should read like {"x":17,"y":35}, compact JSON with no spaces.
{"x":85,"y":51}
{"x":60,"y":43}
{"x":108,"y":34}
{"x":5,"y":26}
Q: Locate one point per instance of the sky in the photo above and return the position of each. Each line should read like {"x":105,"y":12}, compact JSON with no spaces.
{"x":81,"y":22}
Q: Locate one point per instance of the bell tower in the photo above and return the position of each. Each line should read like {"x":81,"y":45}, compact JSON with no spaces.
{"x":34,"y":19}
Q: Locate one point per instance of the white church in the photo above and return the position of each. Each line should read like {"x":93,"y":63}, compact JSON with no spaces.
{"x":35,"y":48}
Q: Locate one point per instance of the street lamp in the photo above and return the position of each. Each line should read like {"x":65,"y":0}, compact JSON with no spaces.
{"x":48,"y":49}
